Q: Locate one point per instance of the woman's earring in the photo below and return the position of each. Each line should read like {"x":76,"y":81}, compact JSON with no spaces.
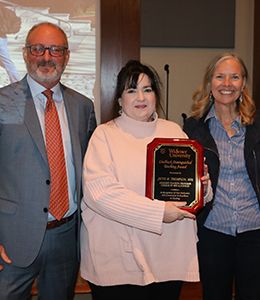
{"x":241,"y":98}
{"x":211,"y":98}
{"x":120,"y":107}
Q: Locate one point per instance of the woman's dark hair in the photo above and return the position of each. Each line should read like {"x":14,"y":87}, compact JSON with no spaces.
{"x":128,"y":78}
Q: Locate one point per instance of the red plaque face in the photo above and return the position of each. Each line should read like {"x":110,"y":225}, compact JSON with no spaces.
{"x":173,"y":172}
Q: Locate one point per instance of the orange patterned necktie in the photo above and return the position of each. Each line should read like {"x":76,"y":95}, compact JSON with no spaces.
{"x":59,"y":203}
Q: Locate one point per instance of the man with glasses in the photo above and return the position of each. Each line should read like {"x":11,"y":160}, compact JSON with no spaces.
{"x":44,"y":132}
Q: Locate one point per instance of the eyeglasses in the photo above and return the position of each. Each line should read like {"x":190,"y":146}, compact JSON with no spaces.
{"x":39,"y":50}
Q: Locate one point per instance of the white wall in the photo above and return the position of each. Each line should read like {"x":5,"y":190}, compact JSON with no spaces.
{"x":187,"y":65}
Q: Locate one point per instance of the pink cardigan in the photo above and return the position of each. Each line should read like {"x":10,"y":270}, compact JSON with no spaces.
{"x":123,"y":238}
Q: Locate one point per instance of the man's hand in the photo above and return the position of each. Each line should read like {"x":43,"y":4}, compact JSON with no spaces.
{"x":4,"y":257}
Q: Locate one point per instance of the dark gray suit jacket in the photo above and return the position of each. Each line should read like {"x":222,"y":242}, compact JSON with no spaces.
{"x":24,"y":170}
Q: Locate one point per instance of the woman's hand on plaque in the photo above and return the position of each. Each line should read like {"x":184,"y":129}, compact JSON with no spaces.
{"x":173,"y":212}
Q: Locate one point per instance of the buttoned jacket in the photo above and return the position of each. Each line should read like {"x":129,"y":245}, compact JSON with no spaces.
{"x":24,"y":169}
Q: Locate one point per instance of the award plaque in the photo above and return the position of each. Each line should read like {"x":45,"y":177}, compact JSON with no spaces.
{"x":173,"y":172}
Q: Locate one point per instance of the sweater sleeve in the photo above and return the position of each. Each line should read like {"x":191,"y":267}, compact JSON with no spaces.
{"x":108,"y":197}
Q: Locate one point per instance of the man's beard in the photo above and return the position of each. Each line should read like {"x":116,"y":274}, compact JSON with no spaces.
{"x":36,"y":74}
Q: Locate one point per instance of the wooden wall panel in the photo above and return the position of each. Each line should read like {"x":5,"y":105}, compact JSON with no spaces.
{"x":256,"y":55}
{"x":120,"y":41}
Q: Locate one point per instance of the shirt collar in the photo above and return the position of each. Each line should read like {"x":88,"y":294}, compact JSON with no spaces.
{"x":37,"y":89}
{"x":212,"y":114}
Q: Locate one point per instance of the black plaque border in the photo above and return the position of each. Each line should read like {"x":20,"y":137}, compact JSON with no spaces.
{"x":197,"y":203}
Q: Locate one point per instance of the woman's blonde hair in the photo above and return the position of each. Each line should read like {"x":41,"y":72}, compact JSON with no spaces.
{"x":202,"y":97}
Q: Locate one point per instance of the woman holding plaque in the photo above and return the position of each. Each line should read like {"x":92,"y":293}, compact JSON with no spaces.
{"x":133,"y":247}
{"x":224,"y":120}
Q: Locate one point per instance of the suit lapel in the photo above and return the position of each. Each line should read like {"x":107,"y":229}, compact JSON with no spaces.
{"x":73,"y":121}
{"x":25,"y":105}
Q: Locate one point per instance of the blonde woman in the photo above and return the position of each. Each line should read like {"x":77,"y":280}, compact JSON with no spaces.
{"x":224,"y":120}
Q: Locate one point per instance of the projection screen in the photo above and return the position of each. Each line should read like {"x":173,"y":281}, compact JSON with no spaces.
{"x":76,"y":17}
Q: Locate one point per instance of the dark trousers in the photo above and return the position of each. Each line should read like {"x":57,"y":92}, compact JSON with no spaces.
{"x":155,"y":291}
{"x":228,"y":264}
{"x":55,"y":268}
